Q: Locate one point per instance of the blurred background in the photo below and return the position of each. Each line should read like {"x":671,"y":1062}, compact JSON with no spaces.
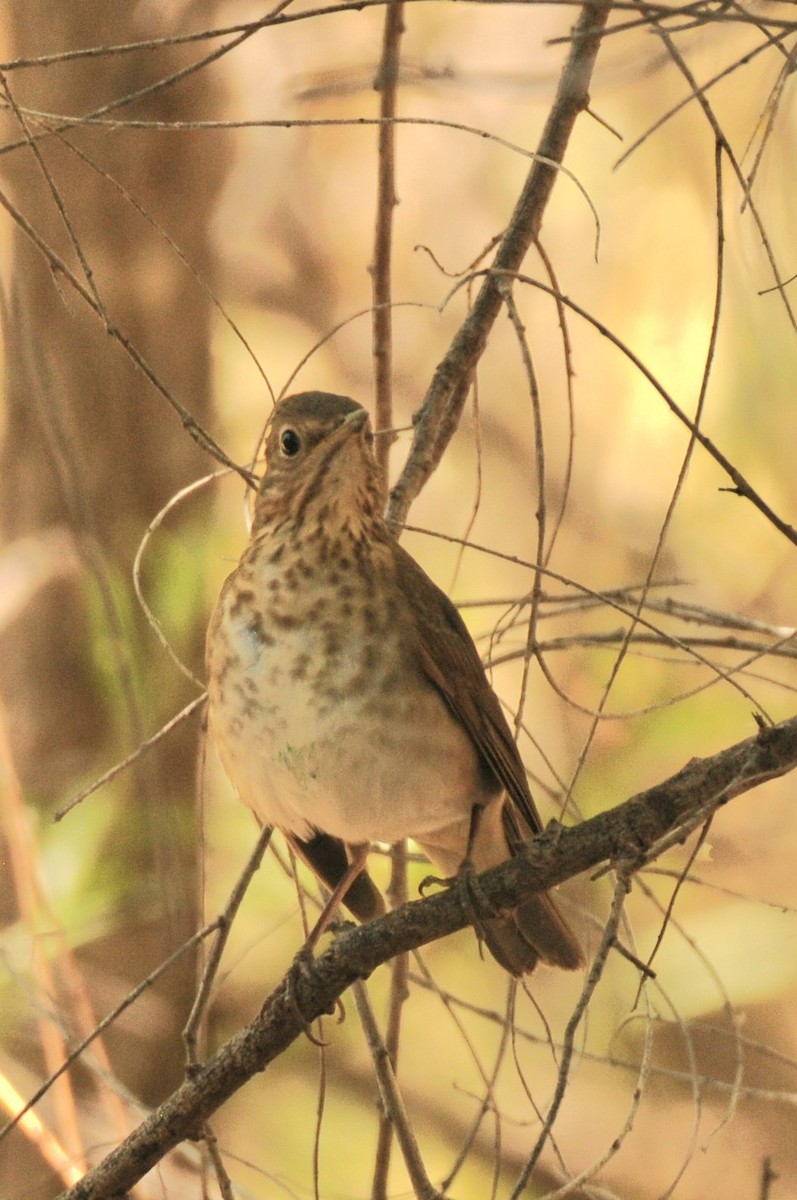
{"x":220,"y":213}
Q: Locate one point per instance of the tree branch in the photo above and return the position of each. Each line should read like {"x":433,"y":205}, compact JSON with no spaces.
{"x":632,"y":833}
{"x":439,"y":414}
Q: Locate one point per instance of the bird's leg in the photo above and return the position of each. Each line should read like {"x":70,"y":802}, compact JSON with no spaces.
{"x":467,"y":879}
{"x":467,"y":876}
{"x":466,"y":871}
{"x":466,"y":867}
{"x":358,"y":855}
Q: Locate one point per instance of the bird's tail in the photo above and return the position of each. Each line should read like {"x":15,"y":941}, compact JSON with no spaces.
{"x":534,"y":932}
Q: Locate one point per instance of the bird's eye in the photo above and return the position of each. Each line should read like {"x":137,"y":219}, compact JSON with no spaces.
{"x":290,"y":443}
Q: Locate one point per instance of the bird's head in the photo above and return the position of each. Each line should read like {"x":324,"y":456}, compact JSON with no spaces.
{"x":320,"y":465}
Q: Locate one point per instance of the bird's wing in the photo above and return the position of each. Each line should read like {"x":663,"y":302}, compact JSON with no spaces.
{"x":448,"y":654}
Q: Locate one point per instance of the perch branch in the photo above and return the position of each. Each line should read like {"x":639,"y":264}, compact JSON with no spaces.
{"x":630,"y":834}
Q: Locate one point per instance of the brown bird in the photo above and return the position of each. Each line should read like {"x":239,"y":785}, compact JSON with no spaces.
{"x":348,"y":702}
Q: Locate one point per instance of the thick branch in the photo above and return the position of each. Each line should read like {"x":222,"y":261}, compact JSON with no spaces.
{"x":629,"y":832}
{"x":442,"y":406}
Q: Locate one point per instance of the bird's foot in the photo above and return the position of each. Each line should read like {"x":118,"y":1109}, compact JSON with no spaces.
{"x":442,"y":881}
{"x":299,"y":973}
{"x":474,"y":899}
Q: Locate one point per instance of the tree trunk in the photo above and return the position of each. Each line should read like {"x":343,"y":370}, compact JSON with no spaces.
{"x":90,"y":447}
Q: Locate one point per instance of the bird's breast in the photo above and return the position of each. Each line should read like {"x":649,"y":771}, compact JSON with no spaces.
{"x":318,"y":707}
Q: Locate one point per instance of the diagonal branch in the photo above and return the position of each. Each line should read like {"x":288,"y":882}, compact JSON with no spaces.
{"x":632,"y":834}
{"x":439,"y":414}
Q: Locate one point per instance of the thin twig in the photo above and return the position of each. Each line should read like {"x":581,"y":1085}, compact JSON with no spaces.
{"x":694,"y":94}
{"x":386,"y":83}
{"x":222,"y":1178}
{"x":391,"y":1098}
{"x":489,"y":1102}
{"x":721,"y":14}
{"x":440,"y":411}
{"x":680,"y":482}
{"x":133,"y":757}
{"x":570,"y":372}
{"x":622,"y":887}
{"x":643,"y":1070}
{"x":722,"y":140}
{"x":633,"y":827}
{"x":133,"y":995}
{"x":541,"y":508}
{"x":741,"y":486}
{"x":153,"y":526}
{"x":223,"y":925}
{"x":493,"y":1017}
{"x":57,"y":198}
{"x":399,"y":992}
{"x":608,"y":599}
{"x":768,"y":1176}
{"x":60,"y":269}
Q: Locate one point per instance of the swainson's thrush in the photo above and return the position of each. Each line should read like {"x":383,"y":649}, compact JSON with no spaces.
{"x":348,"y":702}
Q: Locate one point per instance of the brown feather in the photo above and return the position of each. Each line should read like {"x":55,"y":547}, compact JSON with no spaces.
{"x":327,"y":858}
{"x":447,"y":653}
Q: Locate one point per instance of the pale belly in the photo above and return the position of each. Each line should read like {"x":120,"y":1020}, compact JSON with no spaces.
{"x":348,"y":750}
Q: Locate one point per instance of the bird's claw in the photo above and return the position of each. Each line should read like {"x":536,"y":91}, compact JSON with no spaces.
{"x":443,"y":881}
{"x":474,"y":898}
{"x":480,"y":907}
{"x":300,"y":970}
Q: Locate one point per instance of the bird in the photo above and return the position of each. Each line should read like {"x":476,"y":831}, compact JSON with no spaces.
{"x":347,"y":700}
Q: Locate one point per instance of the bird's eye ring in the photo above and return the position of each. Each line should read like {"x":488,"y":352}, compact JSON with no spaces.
{"x":290,"y":443}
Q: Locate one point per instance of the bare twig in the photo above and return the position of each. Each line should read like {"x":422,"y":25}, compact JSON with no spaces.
{"x":723,"y":142}
{"x":442,"y":406}
{"x":741,"y":485}
{"x":60,"y":269}
{"x":133,"y":757}
{"x":608,"y":598}
{"x":541,"y":510}
{"x":621,"y":890}
{"x":131,"y":997}
{"x":214,"y":1153}
{"x":489,"y":1101}
{"x":392,"y":1100}
{"x":386,"y":83}
{"x":768,"y":1176}
{"x":694,"y":431}
{"x":398,"y":895}
{"x":623,"y":834}
{"x":154,"y":525}
{"x":223,"y":924}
